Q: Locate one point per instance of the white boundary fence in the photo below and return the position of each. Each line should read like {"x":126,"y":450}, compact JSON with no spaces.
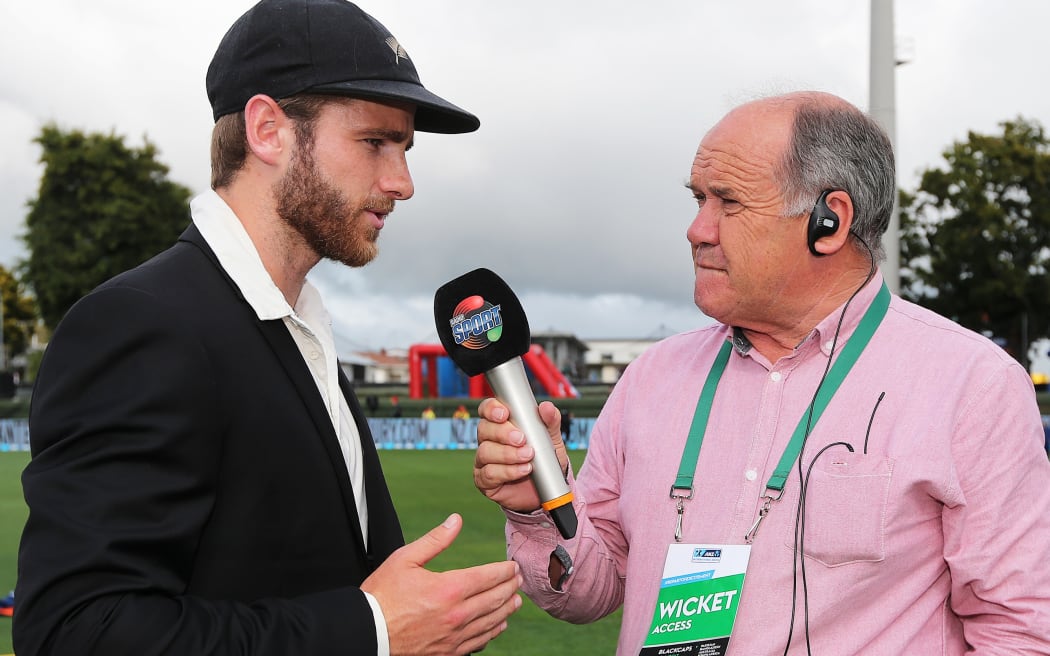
{"x":14,"y":435}
{"x":422,"y":434}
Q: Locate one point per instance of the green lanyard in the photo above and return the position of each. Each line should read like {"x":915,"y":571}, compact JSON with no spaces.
{"x":683,"y":485}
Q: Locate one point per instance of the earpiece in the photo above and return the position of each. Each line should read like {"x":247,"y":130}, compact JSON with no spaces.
{"x":822,"y":222}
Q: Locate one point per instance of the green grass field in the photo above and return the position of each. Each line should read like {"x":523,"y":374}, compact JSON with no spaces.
{"x":427,"y":486}
{"x":12,"y":518}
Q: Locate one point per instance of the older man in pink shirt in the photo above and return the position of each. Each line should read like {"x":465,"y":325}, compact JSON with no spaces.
{"x":880,"y":466}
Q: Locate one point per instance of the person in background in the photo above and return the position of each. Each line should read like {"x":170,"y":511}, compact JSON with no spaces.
{"x":1046,"y":435}
{"x":203,"y":480}
{"x":566,"y":427}
{"x":872,"y":504}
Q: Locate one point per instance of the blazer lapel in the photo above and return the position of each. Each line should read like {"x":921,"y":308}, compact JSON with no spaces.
{"x":286,"y":351}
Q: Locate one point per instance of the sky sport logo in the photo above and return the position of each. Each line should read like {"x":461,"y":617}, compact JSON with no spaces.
{"x":476,"y":323}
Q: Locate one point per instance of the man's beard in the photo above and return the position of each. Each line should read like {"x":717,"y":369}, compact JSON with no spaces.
{"x":324,"y":217}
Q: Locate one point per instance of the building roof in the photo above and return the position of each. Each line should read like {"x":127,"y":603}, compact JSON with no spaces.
{"x":380,"y":358}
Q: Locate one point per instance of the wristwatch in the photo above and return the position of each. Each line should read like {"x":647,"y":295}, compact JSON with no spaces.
{"x":566,"y":563}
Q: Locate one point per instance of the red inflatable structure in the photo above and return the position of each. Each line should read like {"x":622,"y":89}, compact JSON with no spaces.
{"x":536,"y":361}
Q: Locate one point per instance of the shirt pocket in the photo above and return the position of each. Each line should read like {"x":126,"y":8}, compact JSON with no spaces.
{"x":845,"y":509}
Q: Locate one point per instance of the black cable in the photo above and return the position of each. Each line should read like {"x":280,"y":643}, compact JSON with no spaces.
{"x":798,"y":549}
{"x":802,"y":532}
{"x":867,"y":433}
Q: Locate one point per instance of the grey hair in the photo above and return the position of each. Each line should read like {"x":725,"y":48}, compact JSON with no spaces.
{"x":837,"y":146}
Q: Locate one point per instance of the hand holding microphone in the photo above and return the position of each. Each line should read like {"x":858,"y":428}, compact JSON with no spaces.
{"x":483,"y":328}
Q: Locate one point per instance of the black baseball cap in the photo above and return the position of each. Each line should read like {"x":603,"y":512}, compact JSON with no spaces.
{"x":286,"y":47}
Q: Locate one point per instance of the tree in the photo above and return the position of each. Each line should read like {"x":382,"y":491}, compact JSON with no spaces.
{"x":102,"y":208}
{"x":975,"y":237}
{"x":19,"y":314}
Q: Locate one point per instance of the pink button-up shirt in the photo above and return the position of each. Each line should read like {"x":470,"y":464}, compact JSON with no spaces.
{"x":931,"y":537}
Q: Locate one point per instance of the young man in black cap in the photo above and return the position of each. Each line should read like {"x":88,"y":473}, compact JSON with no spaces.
{"x":203,"y":480}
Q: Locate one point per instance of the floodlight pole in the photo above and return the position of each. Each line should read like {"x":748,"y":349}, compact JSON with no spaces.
{"x":882,"y":102}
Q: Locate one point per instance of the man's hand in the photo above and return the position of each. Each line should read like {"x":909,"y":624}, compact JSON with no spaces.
{"x":503,"y":460}
{"x":442,"y":613}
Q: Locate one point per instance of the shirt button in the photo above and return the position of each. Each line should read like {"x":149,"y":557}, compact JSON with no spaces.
{"x":751,"y":474}
{"x":545,"y":524}
{"x":775,"y":376}
{"x":314,"y":355}
{"x":828,"y":345}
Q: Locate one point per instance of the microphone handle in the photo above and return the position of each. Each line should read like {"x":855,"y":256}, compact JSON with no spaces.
{"x":511,"y":386}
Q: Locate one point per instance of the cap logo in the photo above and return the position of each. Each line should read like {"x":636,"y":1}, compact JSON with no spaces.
{"x":399,"y":52}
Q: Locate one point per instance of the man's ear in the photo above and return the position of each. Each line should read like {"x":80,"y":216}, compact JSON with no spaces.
{"x":841,"y":204}
{"x":268,"y":129}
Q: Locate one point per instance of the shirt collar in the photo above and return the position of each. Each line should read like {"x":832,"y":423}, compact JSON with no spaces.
{"x":225,"y":234}
{"x":826,"y":329}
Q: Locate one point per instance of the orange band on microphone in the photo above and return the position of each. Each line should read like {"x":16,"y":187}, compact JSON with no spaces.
{"x":558,"y":502}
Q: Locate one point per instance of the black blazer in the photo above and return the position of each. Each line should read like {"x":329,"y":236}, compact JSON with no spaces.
{"x":186,"y":493}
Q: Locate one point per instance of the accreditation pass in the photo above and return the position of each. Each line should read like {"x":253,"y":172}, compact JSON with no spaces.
{"x":698,"y":600}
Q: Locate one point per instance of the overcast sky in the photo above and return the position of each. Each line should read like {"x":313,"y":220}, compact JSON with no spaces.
{"x":590,"y":114}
